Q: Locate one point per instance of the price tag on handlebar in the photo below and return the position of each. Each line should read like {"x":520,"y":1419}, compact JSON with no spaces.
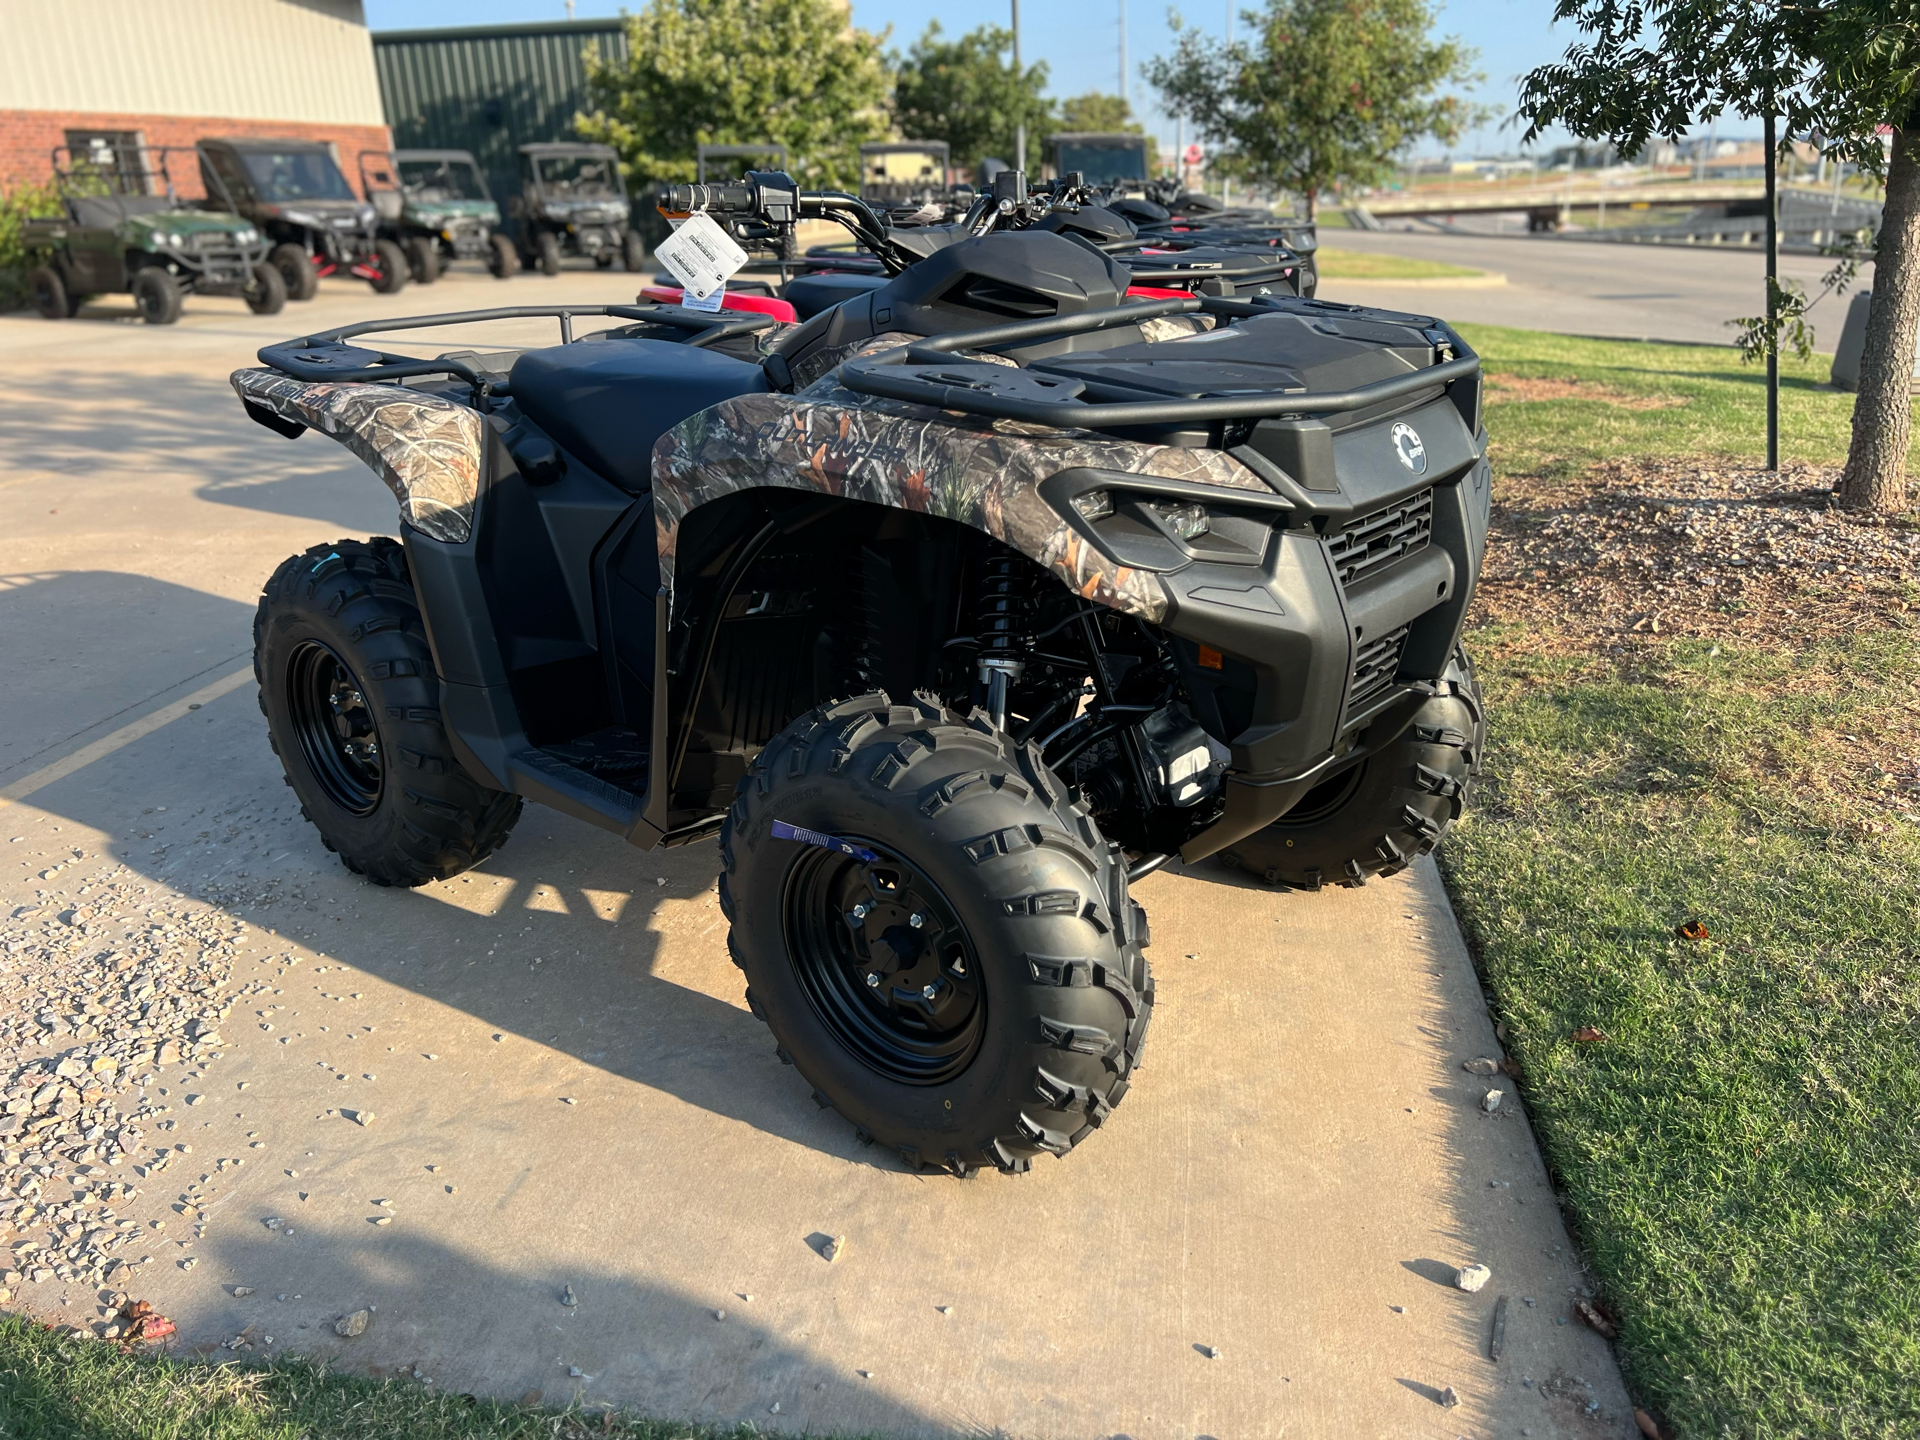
{"x":701,"y":256}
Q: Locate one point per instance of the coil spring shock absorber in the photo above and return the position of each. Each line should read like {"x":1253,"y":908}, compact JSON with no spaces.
{"x":1000,"y":624}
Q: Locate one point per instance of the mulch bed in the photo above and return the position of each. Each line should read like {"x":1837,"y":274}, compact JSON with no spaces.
{"x":1691,"y":547}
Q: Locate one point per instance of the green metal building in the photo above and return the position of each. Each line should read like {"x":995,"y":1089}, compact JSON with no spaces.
{"x":489,"y":89}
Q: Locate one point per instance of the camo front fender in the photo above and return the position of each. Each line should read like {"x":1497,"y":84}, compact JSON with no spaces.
{"x":427,"y":449}
{"x":982,"y":473}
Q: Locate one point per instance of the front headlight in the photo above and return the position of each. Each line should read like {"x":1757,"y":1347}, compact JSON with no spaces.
{"x":246,"y":237}
{"x":165,"y":237}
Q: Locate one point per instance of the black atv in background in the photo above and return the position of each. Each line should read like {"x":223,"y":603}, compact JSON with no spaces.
{"x":572,"y":201}
{"x":293,"y":191}
{"x":950,"y":611}
{"x":434,"y":204}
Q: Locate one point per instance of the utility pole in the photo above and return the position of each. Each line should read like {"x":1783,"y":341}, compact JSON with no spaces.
{"x":1123,"y":51}
{"x":1020,"y":128}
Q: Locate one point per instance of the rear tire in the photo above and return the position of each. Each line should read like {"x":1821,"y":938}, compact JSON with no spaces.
{"x":633,"y":253}
{"x":504,"y":261}
{"x":423,"y":259}
{"x":548,"y":245}
{"x":296,"y":269}
{"x":1396,"y":805}
{"x":157,"y":295}
{"x":353,"y":711}
{"x":1025,"y":935}
{"x":388,"y":259}
{"x":50,"y":296}
{"x":268,"y":293}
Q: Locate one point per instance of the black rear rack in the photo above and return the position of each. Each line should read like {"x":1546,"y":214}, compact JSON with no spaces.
{"x":326,"y":357}
{"x":927,"y":373}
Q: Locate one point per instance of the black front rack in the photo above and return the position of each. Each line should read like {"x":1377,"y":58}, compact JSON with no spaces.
{"x":326,"y":357}
{"x":927,"y":372}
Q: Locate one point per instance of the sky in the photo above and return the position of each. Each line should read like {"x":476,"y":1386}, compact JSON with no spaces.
{"x":1082,"y":46}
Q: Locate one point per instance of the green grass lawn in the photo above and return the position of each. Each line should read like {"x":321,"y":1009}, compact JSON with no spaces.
{"x":1741,"y":1156}
{"x":54,"y":1388}
{"x":1334,"y":264}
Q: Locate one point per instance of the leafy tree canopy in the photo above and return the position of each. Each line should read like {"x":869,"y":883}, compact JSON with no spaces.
{"x":1326,"y":94}
{"x":967,"y":93}
{"x":740,"y":72}
{"x":1836,"y":70}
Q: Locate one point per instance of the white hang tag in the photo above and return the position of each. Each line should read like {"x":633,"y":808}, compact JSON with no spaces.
{"x":715,"y":299}
{"x":701,"y":256}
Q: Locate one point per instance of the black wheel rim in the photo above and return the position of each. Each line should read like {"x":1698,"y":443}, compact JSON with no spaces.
{"x":335,"y":728}
{"x":886,"y":964}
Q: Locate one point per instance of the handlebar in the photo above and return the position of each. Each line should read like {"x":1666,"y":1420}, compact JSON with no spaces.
{"x":715,"y":199}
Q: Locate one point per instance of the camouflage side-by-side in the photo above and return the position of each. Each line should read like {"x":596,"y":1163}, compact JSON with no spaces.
{"x":426,"y":448}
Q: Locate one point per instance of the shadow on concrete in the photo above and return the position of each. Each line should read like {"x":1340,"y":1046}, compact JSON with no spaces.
{"x":639,"y":1341}
{"x":1438,"y":1271}
{"x":92,"y":647}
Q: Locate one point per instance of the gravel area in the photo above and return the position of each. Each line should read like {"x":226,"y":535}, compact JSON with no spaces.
{"x":114,"y":991}
{"x":1681,"y":546}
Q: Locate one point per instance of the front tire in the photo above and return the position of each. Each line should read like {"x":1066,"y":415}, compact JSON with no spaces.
{"x":548,"y":245}
{"x":504,"y":260}
{"x":990,"y":1002}
{"x":633,"y":253}
{"x":50,"y":296}
{"x":423,"y":259}
{"x":353,"y":711}
{"x":157,"y":296}
{"x":1377,"y":817}
{"x":391,"y":264}
{"x":268,"y":293}
{"x":296,"y":268}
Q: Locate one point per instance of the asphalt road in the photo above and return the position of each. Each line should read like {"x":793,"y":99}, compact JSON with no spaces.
{"x":1294,"y":1177}
{"x":1636,"y":292}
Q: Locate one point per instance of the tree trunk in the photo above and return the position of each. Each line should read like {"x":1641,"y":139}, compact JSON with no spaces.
{"x":1876,"y":473}
{"x":1313,"y":204}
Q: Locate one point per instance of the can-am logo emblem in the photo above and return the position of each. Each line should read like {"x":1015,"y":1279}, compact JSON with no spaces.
{"x":1406,"y":444}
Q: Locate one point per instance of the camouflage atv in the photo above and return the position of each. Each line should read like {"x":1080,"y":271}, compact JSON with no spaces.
{"x":949,"y":612}
{"x":126,"y":231}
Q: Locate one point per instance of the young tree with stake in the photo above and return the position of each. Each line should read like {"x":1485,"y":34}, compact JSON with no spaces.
{"x":1326,"y":94}
{"x":1839,"y":69}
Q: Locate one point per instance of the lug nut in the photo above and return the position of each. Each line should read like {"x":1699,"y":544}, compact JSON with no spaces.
{"x":862,"y":910}
{"x":929,"y":991}
{"x":873,"y":981}
{"x":917,"y":919}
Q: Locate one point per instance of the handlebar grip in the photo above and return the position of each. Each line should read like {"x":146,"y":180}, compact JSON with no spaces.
{"x":721,"y":199}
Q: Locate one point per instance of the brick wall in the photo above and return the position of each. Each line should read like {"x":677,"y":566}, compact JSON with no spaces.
{"x":27,"y":138}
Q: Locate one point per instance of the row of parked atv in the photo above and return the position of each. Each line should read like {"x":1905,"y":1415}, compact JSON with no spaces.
{"x":277,"y":216}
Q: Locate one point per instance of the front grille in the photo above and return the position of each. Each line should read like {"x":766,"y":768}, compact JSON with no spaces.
{"x":206,"y":240}
{"x":1374,"y":666}
{"x":1375,"y":541}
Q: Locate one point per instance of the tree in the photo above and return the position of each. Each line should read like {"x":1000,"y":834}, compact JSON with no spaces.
{"x":1326,"y":94}
{"x":1096,"y":113}
{"x":963,"y":92}
{"x":1839,"y":71}
{"x":740,"y":72}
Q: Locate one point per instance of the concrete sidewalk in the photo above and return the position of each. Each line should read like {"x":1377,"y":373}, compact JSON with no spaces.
{"x":567,"y":1090}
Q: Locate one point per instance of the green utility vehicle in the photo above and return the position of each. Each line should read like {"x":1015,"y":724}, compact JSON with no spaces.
{"x":435,"y":205}
{"x":126,"y":231}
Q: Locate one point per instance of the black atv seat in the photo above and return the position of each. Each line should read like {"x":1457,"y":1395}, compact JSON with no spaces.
{"x":811,"y":294}
{"x":607,"y":401}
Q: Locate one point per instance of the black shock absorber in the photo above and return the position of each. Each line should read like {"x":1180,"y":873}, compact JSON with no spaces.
{"x":1001,"y":624}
